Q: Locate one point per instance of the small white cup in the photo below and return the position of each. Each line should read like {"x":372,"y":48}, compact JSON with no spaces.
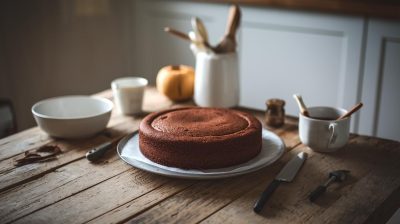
{"x":128,"y":94}
{"x":216,"y":80}
{"x":324,"y":135}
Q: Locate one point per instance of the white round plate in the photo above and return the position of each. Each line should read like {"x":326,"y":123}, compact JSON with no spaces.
{"x":272,"y":149}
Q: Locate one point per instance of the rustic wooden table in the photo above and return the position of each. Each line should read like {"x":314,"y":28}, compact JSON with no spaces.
{"x":70,"y":189}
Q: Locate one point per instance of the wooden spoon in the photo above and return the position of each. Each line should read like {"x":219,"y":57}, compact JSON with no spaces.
{"x":177,"y":33}
{"x":228,"y":43}
{"x":201,"y":33}
{"x":302,"y":106}
{"x":351,"y":111}
{"x":199,"y":28}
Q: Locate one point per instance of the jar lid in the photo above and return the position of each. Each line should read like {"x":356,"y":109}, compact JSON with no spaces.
{"x":275,"y":102}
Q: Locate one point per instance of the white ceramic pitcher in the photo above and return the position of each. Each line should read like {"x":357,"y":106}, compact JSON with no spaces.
{"x":216,"y":80}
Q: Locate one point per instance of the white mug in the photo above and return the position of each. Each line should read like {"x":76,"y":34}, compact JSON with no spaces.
{"x":216,"y":80}
{"x":128,"y":94}
{"x":321,"y":132}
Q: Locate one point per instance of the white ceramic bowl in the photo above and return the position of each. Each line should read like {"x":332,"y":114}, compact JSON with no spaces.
{"x":72,"y":116}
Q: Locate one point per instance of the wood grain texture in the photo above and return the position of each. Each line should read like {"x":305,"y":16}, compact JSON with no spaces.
{"x":57,"y":185}
{"x":98,"y":199}
{"x":71,"y":151}
{"x":72,"y":190}
{"x":27,"y":140}
{"x":143,"y":203}
{"x":349,"y":202}
{"x":199,"y":201}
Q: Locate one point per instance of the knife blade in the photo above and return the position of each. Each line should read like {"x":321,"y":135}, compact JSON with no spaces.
{"x":287,"y":174}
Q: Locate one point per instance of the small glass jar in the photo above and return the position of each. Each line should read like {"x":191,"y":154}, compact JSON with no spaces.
{"x":275,"y":114}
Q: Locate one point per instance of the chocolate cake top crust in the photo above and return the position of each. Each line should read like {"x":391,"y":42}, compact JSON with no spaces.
{"x":198,"y":122}
{"x":214,"y":124}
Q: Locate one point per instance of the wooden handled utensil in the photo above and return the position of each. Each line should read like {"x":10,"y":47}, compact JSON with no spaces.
{"x":200,"y":28}
{"x":199,"y":43}
{"x":228,"y":43}
{"x":177,"y":33}
{"x":302,"y":106}
{"x":233,"y":21}
{"x":201,"y":34}
{"x":351,"y":111}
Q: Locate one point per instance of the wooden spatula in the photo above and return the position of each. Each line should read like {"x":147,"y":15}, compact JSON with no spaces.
{"x":228,"y":43}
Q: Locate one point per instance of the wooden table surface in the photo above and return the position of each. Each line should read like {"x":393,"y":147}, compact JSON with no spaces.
{"x":70,"y":189}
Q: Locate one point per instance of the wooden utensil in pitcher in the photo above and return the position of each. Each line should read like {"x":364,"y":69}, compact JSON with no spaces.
{"x":228,"y":43}
{"x":199,"y":27}
{"x":201,"y":34}
{"x":177,"y":33}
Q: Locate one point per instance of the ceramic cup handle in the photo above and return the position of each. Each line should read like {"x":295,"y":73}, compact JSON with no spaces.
{"x":332,"y":129}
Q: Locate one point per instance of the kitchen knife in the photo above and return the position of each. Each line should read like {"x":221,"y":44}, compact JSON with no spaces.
{"x":287,"y":174}
{"x":98,"y":152}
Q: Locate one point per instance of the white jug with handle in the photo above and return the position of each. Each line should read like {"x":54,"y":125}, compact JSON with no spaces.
{"x":216,"y":80}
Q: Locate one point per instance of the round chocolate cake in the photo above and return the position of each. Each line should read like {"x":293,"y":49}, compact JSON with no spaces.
{"x":200,"y":138}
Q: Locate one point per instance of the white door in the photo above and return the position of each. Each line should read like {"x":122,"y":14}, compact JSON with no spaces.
{"x":381,"y":81}
{"x":286,"y":52}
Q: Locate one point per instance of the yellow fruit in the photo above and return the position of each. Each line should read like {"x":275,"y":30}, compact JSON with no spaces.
{"x":176,"y":82}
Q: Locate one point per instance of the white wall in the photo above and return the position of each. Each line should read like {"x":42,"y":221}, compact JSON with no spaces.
{"x":61,"y":47}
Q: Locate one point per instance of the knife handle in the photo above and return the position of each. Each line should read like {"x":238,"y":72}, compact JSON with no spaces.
{"x":316,"y":193}
{"x":96,"y":153}
{"x":265,"y":196}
